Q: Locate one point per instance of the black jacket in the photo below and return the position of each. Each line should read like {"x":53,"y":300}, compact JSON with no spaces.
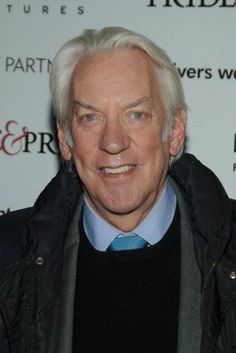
{"x":32,"y":259}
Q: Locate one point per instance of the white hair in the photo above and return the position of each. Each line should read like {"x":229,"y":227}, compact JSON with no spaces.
{"x":107,"y":40}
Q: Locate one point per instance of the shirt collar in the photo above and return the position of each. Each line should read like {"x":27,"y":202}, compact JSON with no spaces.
{"x":100,"y":233}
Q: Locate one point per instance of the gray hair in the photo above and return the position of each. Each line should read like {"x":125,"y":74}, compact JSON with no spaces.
{"x":107,"y":40}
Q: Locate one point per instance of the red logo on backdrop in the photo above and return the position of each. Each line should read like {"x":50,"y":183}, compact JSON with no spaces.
{"x":15,"y":139}
{"x":11,"y":142}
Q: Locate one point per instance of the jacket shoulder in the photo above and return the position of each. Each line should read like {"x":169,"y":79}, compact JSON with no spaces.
{"x":233,"y":202}
{"x":233,"y":205}
{"x":13,"y":235}
{"x":19,"y":216}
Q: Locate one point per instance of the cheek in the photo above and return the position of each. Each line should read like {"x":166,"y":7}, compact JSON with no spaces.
{"x":151,"y":144}
{"x":156,"y":152}
{"x":80,"y":150}
{"x":81,"y":144}
{"x":85,"y":155}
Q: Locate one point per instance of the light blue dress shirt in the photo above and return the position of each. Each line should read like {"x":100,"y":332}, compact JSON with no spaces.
{"x":101,"y":233}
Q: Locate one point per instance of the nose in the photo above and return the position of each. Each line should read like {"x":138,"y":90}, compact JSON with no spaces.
{"x":114,"y":138}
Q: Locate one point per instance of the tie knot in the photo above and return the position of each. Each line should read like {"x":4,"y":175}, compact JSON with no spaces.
{"x":127,"y":242}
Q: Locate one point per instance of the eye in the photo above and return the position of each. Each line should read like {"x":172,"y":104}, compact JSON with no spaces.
{"x":88,"y":117}
{"x":137,"y":117}
{"x":89,"y":120}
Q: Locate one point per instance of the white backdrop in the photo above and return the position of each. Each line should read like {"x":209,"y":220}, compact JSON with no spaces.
{"x":199,"y":36}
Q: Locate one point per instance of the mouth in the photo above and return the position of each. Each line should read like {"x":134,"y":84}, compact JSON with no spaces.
{"x":121,"y":170}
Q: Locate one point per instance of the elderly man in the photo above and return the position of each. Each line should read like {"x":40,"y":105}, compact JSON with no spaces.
{"x":126,"y":250}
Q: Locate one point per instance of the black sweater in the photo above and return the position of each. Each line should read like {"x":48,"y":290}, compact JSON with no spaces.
{"x":127,"y":301}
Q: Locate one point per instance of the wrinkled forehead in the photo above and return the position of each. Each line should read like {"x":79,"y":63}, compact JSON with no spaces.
{"x":111,"y":61}
{"x":127,"y":73}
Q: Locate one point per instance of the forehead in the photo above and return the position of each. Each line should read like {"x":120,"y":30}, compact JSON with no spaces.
{"x":123,"y":73}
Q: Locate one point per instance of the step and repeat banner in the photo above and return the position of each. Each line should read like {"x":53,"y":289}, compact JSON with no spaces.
{"x":199,"y":36}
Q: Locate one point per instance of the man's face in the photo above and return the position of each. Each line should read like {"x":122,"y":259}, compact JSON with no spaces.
{"x":117,"y":127}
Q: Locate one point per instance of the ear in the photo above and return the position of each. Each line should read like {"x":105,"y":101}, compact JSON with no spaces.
{"x":64,"y":147}
{"x":178,"y":132}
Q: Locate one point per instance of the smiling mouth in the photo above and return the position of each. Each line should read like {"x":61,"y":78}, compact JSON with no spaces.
{"x":118,"y":170}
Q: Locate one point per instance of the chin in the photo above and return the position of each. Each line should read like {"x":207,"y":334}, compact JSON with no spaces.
{"x":121,"y":208}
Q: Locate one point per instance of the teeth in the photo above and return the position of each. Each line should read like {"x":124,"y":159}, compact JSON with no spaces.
{"x":118,"y":170}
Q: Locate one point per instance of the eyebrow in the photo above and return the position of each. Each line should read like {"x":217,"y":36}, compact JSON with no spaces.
{"x":85,"y":105}
{"x":139,"y":101}
{"x":127,"y":106}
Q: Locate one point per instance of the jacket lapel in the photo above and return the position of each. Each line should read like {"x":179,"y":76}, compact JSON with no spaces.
{"x":62,"y":333}
{"x":189,"y":335}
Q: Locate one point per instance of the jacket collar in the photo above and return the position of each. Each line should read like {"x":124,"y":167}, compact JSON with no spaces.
{"x":209,"y":203}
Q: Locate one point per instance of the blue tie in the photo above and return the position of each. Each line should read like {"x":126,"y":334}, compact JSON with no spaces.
{"x":128,"y":242}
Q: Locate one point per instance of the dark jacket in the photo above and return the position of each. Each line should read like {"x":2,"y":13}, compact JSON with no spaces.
{"x":35,"y":263}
